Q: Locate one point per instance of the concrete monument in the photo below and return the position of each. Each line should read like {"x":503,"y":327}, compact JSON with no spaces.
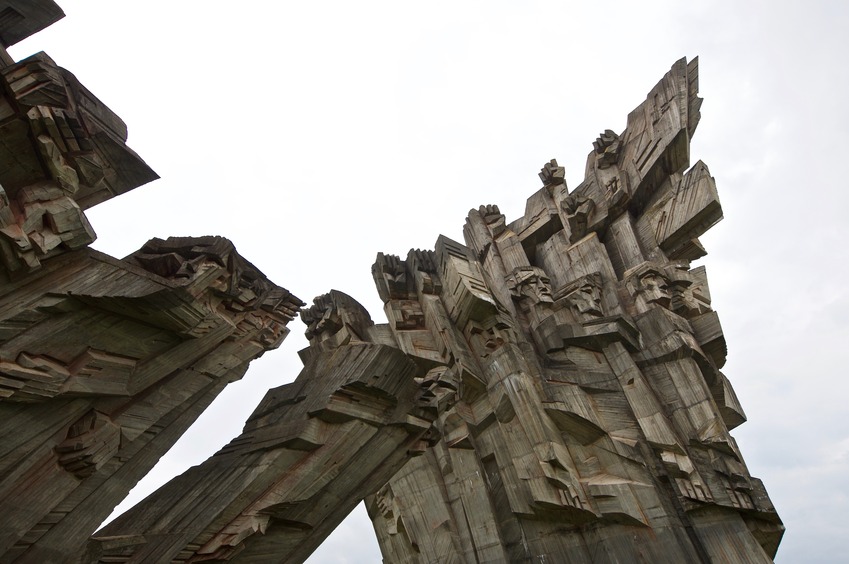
{"x":550,"y":390}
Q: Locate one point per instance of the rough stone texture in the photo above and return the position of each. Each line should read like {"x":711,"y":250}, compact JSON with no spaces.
{"x":576,"y":368}
{"x":104,"y":363}
{"x":549,"y":391}
{"x":308,"y":454}
{"x":61,"y":152}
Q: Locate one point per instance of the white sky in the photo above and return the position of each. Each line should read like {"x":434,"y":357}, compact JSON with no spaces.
{"x":315,"y":134}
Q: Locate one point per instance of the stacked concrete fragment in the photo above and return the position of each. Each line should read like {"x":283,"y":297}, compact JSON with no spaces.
{"x":548,"y":391}
{"x":310,"y":452}
{"x":576,"y":361}
{"x":104,"y":363}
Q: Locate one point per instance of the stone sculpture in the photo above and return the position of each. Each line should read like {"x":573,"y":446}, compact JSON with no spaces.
{"x":104,"y":363}
{"x":309,"y":453}
{"x":590,"y":420}
{"x":549,"y":390}
{"x":109,"y":362}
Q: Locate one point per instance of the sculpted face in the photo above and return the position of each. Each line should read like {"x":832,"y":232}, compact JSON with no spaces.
{"x":438,"y":384}
{"x":531,"y":283}
{"x":539,"y":288}
{"x":655,"y":288}
{"x":587,"y":300}
{"x":583,"y":296}
{"x":486,"y":338}
{"x":326,"y":326}
{"x":682,"y":301}
{"x":650,"y":284}
{"x":322,"y":319}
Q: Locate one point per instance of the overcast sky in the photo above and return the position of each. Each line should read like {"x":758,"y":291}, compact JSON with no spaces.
{"x":315,"y":134}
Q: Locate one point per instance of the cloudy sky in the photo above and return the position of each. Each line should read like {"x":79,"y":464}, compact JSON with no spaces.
{"x":315,"y":134}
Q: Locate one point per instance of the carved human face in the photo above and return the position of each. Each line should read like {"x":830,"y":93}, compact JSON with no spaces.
{"x":682,"y":301}
{"x":486,"y":338}
{"x":587,"y":300}
{"x":655,"y":288}
{"x":538,"y":288}
{"x":329,"y":324}
{"x":533,"y":285}
{"x":438,"y":384}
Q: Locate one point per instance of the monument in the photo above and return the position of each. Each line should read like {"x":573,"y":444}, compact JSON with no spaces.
{"x":576,"y":365}
{"x":548,"y":390}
